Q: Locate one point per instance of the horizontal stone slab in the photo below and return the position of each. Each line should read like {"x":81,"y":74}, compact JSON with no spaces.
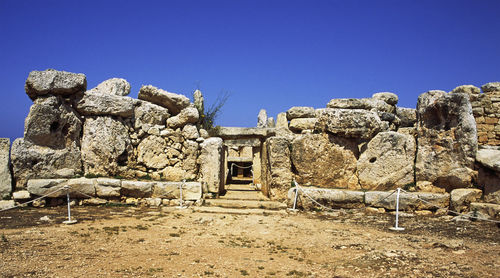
{"x":237,"y":132}
{"x":170,"y":190}
{"x":492,"y":210}
{"x":332,"y":198}
{"x":78,"y":188}
{"x":138,"y":189}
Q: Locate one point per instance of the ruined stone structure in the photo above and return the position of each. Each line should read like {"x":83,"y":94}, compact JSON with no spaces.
{"x":108,"y":145}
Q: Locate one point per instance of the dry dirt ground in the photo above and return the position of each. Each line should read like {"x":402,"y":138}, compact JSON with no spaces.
{"x":135,"y":242}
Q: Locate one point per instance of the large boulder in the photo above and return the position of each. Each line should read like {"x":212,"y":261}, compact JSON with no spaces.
{"x":152,"y":152}
{"x":372,"y":104}
{"x":387,"y":97}
{"x":387,"y":163}
{"x":299,"y":124}
{"x":491,"y":87}
{"x":105,"y":145}
{"x":489,"y":174}
{"x":54,"y":82}
{"x":5,"y":176}
{"x":30,"y":161}
{"x":113,"y":86}
{"x":462,"y":197}
{"x":211,"y":167}
{"x":262,"y":118}
{"x":331,"y":198}
{"x":407,"y":116}
{"x":54,"y":188}
{"x":349,"y":123}
{"x":276,"y":167}
{"x":189,"y":163}
{"x":489,"y":158}
{"x":300,"y":112}
{"x":191,"y":191}
{"x":188,"y":115}
{"x":323,"y":162}
{"x":52,"y":123}
{"x":102,"y":104}
{"x":281,"y":121}
{"x":447,"y":140}
{"x":174,"y":102}
{"x":137,"y":189}
{"x":148,"y":113}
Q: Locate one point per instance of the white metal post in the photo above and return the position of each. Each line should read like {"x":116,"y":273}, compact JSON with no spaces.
{"x":396,"y":226}
{"x":69,"y":221}
{"x":181,"y":204}
{"x":295,"y":198}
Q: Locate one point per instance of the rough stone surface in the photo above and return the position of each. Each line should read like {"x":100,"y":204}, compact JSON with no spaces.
{"x":148,"y":113}
{"x":101,"y":104}
{"x":489,"y":181}
{"x":323,"y":162}
{"x":174,"y":173}
{"x":299,"y":124}
{"x":31,"y":161}
{"x":262,"y":118}
{"x":388,"y":97}
{"x":199,"y":101}
{"x":5,"y":204}
{"x":42,"y":187}
{"x":407,"y":201}
{"x":191,"y":191}
{"x":361,"y":103}
{"x":211,"y":166}
{"x":105,"y":145}
{"x":349,"y":123}
{"x":447,"y":140}
{"x":190,"y":132}
{"x":492,"y":210}
{"x":281,"y":121}
{"x":407,"y":116}
{"x":52,"y":123}
{"x":489,"y":158}
{"x":462,"y":197}
{"x":387,"y":163}
{"x":21,"y":195}
{"x":188,"y":115}
{"x":152,"y":152}
{"x":113,"y":86}
{"x":54,"y":82}
{"x":270,"y":122}
{"x":137,"y":189}
{"x":5,"y":175}
{"x":491,"y":87}
{"x":332,"y":198}
{"x":468,"y":89}
{"x":174,"y":102}
{"x":276,"y":166}
{"x":300,"y":112}
{"x":106,"y":187}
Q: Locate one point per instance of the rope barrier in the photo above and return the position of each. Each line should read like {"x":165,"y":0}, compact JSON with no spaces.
{"x":41,"y":197}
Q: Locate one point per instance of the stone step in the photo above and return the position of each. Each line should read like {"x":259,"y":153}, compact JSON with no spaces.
{"x":244,"y":204}
{"x":221,"y":210}
{"x":239,"y":186}
{"x":244,"y":195}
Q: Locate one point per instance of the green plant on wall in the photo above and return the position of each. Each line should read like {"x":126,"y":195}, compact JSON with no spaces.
{"x":208,"y":115}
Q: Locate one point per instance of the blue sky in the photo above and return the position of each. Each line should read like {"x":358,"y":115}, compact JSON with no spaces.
{"x":266,"y":54}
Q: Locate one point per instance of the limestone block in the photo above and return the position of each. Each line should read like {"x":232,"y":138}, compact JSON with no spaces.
{"x":361,"y":103}
{"x":470,"y":90}
{"x":447,"y":140}
{"x":174,"y":173}
{"x":42,"y":187}
{"x":277,"y":173}
{"x":462,"y":197}
{"x":489,"y":181}
{"x":54,"y":82}
{"x":407,"y":201}
{"x":246,"y":151}
{"x":349,"y":123}
{"x":323,"y":162}
{"x":137,"y":189}
{"x":113,"y":86}
{"x":211,"y":164}
{"x":300,"y":112}
{"x":106,"y":187}
{"x":6,"y":204}
{"x":388,"y":97}
{"x":262,"y":118}
{"x":21,"y":195}
{"x":106,"y":145}
{"x":387,"y":163}
{"x":101,"y":104}
{"x":407,"y":116}
{"x":191,"y":191}
{"x":282,"y":121}
{"x":332,"y":198}
{"x":299,"y":124}
{"x":489,"y":158}
{"x":190,"y":132}
{"x":491,"y":87}
{"x":151,"y":152}
{"x":270,"y":122}
{"x":52,"y":123}
{"x":174,"y":102}
{"x":188,"y":115}
{"x":31,"y":161}
{"x":492,"y":210}
{"x":5,"y":175}
{"x":189,"y":164}
{"x":199,"y":101}
{"x":148,"y":113}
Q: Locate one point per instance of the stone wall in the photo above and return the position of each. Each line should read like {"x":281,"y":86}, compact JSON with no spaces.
{"x":72,"y":132}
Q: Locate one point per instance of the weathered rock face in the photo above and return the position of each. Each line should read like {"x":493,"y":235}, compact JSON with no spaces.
{"x":349,"y":123}
{"x":323,"y":163}
{"x":5,"y":176}
{"x":52,"y":123}
{"x":387,"y":97}
{"x":300,"y":112}
{"x":361,"y":103}
{"x":489,"y":174}
{"x":31,"y":161}
{"x":276,"y":166}
{"x":281,"y":121}
{"x":54,"y":82}
{"x":462,"y":197}
{"x":447,"y":140}
{"x":101,"y":104}
{"x":148,"y":113}
{"x":113,"y":86}
{"x":332,"y":198}
{"x":199,"y":101}
{"x":210,"y":160}
{"x":174,"y":102}
{"x":139,"y":189}
{"x":188,"y":115}
{"x":299,"y":124}
{"x":407,"y":116}
{"x":105,"y":145}
{"x":41,"y":187}
{"x":262,"y":118}
{"x":152,"y":152}
{"x":491,"y":87}
{"x":489,"y":158}
{"x":387,"y":163}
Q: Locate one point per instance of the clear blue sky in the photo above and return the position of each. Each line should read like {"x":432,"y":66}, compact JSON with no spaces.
{"x":267,"y":54}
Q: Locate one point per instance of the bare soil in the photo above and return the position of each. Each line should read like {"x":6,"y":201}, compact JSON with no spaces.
{"x":136,"y":242}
